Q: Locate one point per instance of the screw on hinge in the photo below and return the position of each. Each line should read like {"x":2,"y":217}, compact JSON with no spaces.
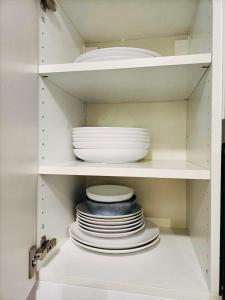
{"x":48,"y":4}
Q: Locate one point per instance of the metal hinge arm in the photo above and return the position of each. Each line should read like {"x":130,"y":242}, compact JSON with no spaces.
{"x":48,"y":4}
{"x":37,"y":254}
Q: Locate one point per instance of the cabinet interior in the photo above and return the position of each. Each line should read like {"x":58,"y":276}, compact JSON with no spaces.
{"x":180,"y":132}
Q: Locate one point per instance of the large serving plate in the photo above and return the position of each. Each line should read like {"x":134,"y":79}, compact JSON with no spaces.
{"x":83,"y":209}
{"x":110,"y":155}
{"x":127,"y":52}
{"x":117,"y":251}
{"x":146,"y":235}
{"x":111,"y":235}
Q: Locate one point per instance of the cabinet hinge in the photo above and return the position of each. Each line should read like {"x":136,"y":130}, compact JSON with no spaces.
{"x":39,"y":253}
{"x":48,"y":4}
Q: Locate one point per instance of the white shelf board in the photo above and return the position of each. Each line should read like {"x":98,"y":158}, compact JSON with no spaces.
{"x":146,"y":79}
{"x":170,"y":269}
{"x":148,"y":169}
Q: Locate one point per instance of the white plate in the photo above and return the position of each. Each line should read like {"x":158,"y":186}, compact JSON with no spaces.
{"x":83,"y":209}
{"x":110,"y":155}
{"x":113,"y":57}
{"x":115,"y":221}
{"x":120,"y":251}
{"x":110,"y":145}
{"x":110,"y":135}
{"x":112,"y":234}
{"x":109,"y":193}
{"x":111,"y":129}
{"x":111,"y":227}
{"x":138,"y":239}
{"x":117,"y":51}
{"x":116,"y":139}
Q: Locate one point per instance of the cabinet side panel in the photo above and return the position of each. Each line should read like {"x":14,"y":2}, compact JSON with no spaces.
{"x":57,"y":198}
{"x":217,"y":87}
{"x":59,"y":41}
{"x":58,"y":113}
{"x":199,"y":123}
{"x":198,"y":221}
{"x":200,"y":39}
{"x":18,"y":144}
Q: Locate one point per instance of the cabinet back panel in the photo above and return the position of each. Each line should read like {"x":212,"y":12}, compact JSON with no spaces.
{"x":166,"y":121}
{"x":163,"y":45}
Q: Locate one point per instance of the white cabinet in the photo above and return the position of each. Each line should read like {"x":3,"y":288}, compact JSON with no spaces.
{"x":178,"y":97}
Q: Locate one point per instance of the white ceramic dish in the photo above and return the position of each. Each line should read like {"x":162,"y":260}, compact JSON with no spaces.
{"x":110,"y":129}
{"x":111,"y":133}
{"x":109,"y":193}
{"x":106,"y":234}
{"x":84,"y":210}
{"x":110,"y":145}
{"x":110,"y":227}
{"x":110,"y":155}
{"x":114,"y":221}
{"x":116,"y":51}
{"x":116,"y":139}
{"x":113,"y":57}
{"x":119,"y":251}
{"x":138,"y":239}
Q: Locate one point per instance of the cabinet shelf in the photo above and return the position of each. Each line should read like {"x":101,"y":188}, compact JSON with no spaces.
{"x":148,"y":169}
{"x":170,"y":78}
{"x":170,"y":269}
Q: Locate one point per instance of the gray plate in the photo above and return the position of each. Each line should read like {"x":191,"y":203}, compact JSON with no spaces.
{"x":84,"y":209}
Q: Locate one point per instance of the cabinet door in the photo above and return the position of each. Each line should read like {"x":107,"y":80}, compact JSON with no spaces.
{"x":18,"y":143}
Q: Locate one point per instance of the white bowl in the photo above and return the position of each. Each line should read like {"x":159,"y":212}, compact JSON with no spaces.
{"x":110,"y":145}
{"x":109,"y":193}
{"x":110,"y":155}
{"x":112,"y":139}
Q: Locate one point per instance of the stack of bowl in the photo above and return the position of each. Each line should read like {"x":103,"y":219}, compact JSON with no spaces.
{"x":110,"y":144}
{"x":110,"y":220}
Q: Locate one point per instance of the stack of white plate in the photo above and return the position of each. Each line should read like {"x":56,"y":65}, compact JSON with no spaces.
{"x":102,"y":224}
{"x":115,"y":53}
{"x":110,"y":144}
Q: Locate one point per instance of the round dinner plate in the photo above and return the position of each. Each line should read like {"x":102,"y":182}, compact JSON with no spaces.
{"x":118,"y":251}
{"x":146,"y":235}
{"x":110,"y":155}
{"x":110,"y":145}
{"x":109,"y":193}
{"x":114,"y":221}
{"x":84,"y":210}
{"x":107,"y":57}
{"x":116,"y":51}
{"x":110,"y":226}
{"x":112,"y":234}
{"x":110,"y":129}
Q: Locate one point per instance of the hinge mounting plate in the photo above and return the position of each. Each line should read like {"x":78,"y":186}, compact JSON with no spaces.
{"x":48,"y":4}
{"x":39,"y":253}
